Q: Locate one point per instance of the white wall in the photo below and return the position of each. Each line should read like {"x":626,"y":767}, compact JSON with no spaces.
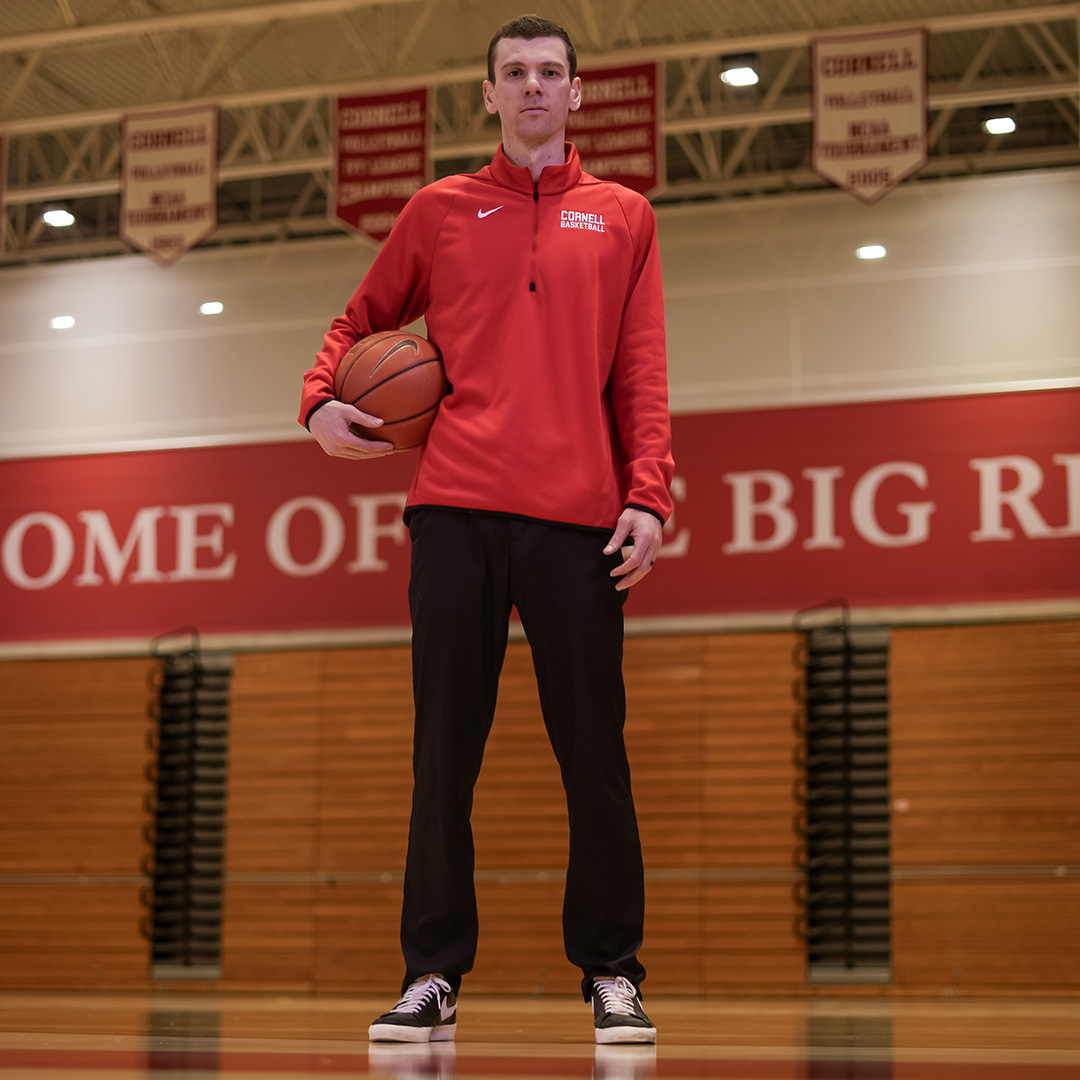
{"x":766,"y":304}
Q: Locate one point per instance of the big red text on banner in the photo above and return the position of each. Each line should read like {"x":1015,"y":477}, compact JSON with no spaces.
{"x":168,"y":181}
{"x":943,"y":501}
{"x":617,"y":128}
{"x":869,"y":110}
{"x":382,"y":158}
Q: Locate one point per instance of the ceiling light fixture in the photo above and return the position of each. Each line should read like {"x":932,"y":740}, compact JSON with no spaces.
{"x":59,"y":217}
{"x":62,"y":322}
{"x":211,"y":307}
{"x":998,"y":119}
{"x":739,"y":69}
{"x":870,"y":251}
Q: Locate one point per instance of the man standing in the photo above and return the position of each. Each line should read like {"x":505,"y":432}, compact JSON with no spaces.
{"x":541,"y":287}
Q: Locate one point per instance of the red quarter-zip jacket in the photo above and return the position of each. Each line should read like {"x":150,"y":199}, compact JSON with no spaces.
{"x":545,"y":300}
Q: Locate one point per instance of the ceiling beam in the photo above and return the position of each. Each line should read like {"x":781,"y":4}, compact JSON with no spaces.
{"x":772,"y":95}
{"x":29,"y":66}
{"x":477,"y":72}
{"x":943,"y":118}
{"x":211,"y":18}
{"x":255,"y":14}
{"x":800,"y":114}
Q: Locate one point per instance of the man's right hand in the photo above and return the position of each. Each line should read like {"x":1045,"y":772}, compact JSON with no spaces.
{"x":330,"y":426}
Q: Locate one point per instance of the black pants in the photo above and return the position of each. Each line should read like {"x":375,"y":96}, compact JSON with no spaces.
{"x":468,"y":570}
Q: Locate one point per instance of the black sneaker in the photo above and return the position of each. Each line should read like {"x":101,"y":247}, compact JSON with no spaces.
{"x":427,"y":1012}
{"x":617,"y":1012}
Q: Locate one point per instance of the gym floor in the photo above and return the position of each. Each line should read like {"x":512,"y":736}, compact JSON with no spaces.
{"x":90,"y":1036}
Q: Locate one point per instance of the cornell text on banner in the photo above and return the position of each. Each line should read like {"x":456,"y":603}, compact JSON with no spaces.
{"x":617,"y":130}
{"x":382,"y":157}
{"x":168,"y":183}
{"x":869,"y":110}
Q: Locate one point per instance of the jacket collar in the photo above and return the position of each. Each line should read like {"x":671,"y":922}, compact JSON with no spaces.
{"x":553,"y":178}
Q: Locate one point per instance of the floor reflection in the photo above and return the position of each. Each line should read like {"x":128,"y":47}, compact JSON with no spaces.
{"x":831,"y":1038}
{"x":413,"y":1061}
{"x":615,"y":1062}
{"x":183,"y":1041}
{"x":438,"y":1061}
{"x":202,"y":1036}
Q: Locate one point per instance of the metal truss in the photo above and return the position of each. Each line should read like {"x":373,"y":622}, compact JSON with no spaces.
{"x":276,"y":144}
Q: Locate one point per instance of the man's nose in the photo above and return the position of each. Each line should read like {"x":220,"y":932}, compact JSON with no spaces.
{"x":532,"y":83}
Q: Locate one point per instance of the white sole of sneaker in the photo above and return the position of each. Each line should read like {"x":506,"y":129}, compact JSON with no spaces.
{"x":393,"y":1033}
{"x":604,"y":1036}
{"x":445,"y":1033}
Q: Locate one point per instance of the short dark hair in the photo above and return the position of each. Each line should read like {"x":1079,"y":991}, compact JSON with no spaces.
{"x":529,"y":27}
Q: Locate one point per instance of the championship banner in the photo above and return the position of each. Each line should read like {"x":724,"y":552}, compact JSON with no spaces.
{"x":869,"y":110}
{"x":617,"y":129}
{"x":945,"y":501}
{"x":168,"y":181}
{"x":381,"y":159}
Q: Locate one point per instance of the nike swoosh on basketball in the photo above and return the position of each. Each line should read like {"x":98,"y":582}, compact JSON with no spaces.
{"x":406,"y":344}
{"x":487,"y":213}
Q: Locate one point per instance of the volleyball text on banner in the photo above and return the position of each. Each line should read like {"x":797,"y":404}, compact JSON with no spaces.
{"x":382,"y":158}
{"x":168,"y":182}
{"x":617,"y":128}
{"x":869,"y":110}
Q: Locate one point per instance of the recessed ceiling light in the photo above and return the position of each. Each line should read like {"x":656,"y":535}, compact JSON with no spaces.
{"x":63,"y":322}
{"x":212,"y":307}
{"x":870,"y":251}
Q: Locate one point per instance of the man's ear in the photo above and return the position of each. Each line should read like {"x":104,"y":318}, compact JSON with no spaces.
{"x":489,"y":98}
{"x":575,"y":94}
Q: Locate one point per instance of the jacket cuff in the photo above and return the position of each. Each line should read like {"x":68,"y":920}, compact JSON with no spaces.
{"x":313,"y":410}
{"x":648,"y":510}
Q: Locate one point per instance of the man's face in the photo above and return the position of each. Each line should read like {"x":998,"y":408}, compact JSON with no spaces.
{"x":533,"y":91}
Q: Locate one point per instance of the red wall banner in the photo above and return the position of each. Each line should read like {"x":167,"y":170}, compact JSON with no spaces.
{"x":929,"y":502}
{"x":382,"y":158}
{"x":617,"y":128}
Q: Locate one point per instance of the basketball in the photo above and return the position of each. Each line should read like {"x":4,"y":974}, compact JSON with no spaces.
{"x":397,"y":376}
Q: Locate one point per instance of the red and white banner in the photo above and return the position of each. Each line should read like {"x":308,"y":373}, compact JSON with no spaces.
{"x":168,"y":181}
{"x":933,"y":502}
{"x":617,"y":128}
{"x":382,"y":158}
{"x":869,"y":110}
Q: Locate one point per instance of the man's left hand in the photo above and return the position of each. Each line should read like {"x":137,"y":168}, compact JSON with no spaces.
{"x":646,"y":532}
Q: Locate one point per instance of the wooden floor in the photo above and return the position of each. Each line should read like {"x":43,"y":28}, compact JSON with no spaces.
{"x":53,"y":1036}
